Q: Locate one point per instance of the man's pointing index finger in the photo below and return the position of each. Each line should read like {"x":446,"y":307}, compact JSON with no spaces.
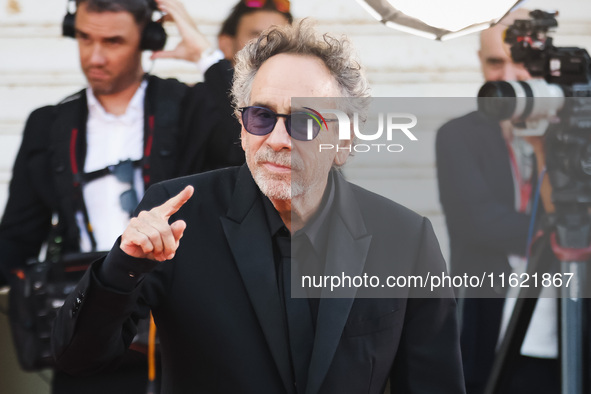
{"x":171,"y":206}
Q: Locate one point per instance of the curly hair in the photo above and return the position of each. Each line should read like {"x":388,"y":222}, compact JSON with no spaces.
{"x":301,"y":38}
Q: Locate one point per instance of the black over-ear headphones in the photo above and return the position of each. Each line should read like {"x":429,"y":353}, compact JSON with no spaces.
{"x":153,"y":35}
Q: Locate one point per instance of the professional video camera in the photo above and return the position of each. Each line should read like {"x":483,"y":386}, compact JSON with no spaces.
{"x":566,"y":70}
{"x":557,"y":106}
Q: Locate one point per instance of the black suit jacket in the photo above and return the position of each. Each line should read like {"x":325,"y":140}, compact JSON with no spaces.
{"x":216,"y":142}
{"x":219,"y":314}
{"x":477,"y":195}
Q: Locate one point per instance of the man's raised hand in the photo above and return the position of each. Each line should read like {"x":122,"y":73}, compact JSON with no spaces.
{"x":150,"y":236}
{"x":193,"y":44}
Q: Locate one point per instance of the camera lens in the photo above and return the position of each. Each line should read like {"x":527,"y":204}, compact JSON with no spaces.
{"x":497,"y":100}
{"x":519,"y":100}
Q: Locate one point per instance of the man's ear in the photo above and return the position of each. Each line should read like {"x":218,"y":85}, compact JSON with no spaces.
{"x":226,"y":45}
{"x":343,"y":154}
{"x":242,"y":136}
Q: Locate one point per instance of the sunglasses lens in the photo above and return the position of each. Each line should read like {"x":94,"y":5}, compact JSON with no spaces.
{"x":258,"y":121}
{"x":124,"y":171}
{"x":128,"y":200}
{"x":302,"y":126}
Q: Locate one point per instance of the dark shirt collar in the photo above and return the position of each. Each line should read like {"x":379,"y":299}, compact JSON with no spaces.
{"x":274,"y":221}
{"x":316,"y":229}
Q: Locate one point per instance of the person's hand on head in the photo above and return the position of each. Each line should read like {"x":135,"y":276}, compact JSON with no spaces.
{"x":149,"y":235}
{"x":193,"y":43}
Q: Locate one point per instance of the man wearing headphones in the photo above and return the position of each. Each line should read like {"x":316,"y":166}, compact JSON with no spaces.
{"x":124,"y":132}
{"x":117,"y":136}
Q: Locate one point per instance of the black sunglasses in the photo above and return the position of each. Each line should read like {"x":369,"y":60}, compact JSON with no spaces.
{"x":301,"y":125}
{"x":124,"y":172}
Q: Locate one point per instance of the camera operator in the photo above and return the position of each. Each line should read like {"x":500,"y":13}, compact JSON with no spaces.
{"x":486,"y":178}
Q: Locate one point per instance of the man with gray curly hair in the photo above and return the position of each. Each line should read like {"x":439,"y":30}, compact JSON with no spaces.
{"x":231,"y":317}
{"x":337,"y":55}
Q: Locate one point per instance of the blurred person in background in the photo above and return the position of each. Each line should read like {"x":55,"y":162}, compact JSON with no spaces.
{"x":216,"y":140}
{"x":486,"y":178}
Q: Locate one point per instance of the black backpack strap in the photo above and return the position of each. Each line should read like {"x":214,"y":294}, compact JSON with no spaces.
{"x":68,"y":151}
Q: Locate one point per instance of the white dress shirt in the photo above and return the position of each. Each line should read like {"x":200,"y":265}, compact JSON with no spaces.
{"x":110,"y":140}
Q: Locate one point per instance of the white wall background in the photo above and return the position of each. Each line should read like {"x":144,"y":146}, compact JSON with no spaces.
{"x":39,"y":67}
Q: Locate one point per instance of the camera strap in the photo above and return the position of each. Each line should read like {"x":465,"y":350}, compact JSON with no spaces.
{"x":87,"y":177}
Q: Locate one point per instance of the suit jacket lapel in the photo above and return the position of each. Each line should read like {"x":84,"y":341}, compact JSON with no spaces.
{"x":348,"y":245}
{"x":250,"y":242}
